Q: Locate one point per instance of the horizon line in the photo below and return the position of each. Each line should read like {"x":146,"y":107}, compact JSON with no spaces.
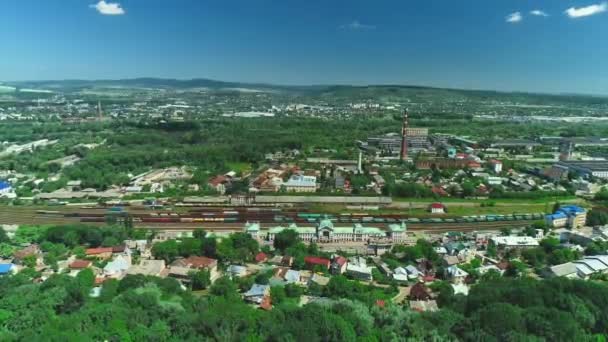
{"x":310,"y":85}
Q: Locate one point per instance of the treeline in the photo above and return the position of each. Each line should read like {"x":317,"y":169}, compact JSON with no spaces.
{"x":140,"y":308}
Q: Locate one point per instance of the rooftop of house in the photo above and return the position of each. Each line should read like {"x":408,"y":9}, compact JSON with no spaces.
{"x":195,"y":262}
{"x":27,"y":251}
{"x":99,"y":250}
{"x":340,"y":260}
{"x":563,"y":269}
{"x":261,"y":257}
{"x":5,"y":268}
{"x":257,"y":290}
{"x":80,"y":264}
{"x":147,"y":267}
{"x":316,"y":261}
{"x":4,"y":185}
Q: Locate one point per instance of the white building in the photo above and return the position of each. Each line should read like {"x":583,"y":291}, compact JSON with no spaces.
{"x":514,"y":242}
{"x":300,"y":183}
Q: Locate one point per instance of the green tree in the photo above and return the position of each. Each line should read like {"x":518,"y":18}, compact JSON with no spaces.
{"x":199,"y":280}
{"x":166,"y":250}
{"x":285,"y":239}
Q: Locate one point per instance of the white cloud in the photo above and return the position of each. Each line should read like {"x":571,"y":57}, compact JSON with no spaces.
{"x":539,"y":13}
{"x":580,"y":12}
{"x":514,"y":17}
{"x":356,"y":25}
{"x":108,"y":8}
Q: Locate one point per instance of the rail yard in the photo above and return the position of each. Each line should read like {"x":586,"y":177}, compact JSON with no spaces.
{"x":233,"y":218}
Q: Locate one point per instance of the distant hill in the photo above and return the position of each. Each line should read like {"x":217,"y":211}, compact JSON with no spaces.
{"x":150,"y":83}
{"x":327,"y":91}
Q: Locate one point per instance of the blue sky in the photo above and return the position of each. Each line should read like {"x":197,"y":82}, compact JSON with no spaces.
{"x":480,"y":44}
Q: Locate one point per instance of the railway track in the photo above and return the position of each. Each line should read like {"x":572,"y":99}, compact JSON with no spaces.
{"x":231,"y":219}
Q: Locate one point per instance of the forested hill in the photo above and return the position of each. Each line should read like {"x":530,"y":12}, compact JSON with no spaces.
{"x":333,"y":92}
{"x":140,"y":308}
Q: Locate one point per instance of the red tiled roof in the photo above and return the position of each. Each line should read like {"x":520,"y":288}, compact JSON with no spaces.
{"x":99,"y":250}
{"x":217,"y":180}
{"x":27,"y":251}
{"x":380,"y":303}
{"x":199,"y":261}
{"x":99,"y":281}
{"x":118,"y":249}
{"x":80,"y":264}
{"x":340,"y":260}
{"x":261,"y":257}
{"x":494,"y":161}
{"x":474,"y":164}
{"x":437,"y":205}
{"x":316,"y":261}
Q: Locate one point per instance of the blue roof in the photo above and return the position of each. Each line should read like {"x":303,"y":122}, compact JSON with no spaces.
{"x":5,"y":268}
{"x":557,"y":215}
{"x":4,"y":185}
{"x":571,"y":210}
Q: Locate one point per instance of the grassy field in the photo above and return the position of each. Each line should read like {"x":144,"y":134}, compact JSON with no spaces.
{"x":239,"y":167}
{"x":462,"y":208}
{"x":566,"y":199}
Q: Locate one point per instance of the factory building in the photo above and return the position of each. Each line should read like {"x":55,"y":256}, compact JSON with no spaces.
{"x":595,"y":168}
{"x":300,"y":183}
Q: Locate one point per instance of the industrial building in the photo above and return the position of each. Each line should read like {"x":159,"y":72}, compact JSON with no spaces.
{"x":595,"y":168}
{"x":570,"y":216}
{"x":300,"y":183}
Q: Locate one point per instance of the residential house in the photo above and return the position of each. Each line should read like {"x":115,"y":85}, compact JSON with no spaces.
{"x":257,"y":293}
{"x":292,"y":276}
{"x":118,"y":267}
{"x":400,"y":275}
{"x":311,"y":262}
{"x":338,"y":265}
{"x":236,"y":271}
{"x":413,"y":272}
{"x":424,"y":305}
{"x":261,"y":257}
{"x":419,"y":292}
{"x":102,"y":253}
{"x":567,"y":270}
{"x":198,"y":263}
{"x":31,"y":250}
{"x":456,"y":275}
{"x":318,"y":280}
{"x":219,"y":183}
{"x":451,"y":260}
{"x":357,"y":268}
{"x":6,"y":269}
{"x":496,"y":165}
{"x":148,"y":267}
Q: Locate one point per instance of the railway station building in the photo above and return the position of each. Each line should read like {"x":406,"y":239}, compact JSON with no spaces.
{"x":325,"y":231}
